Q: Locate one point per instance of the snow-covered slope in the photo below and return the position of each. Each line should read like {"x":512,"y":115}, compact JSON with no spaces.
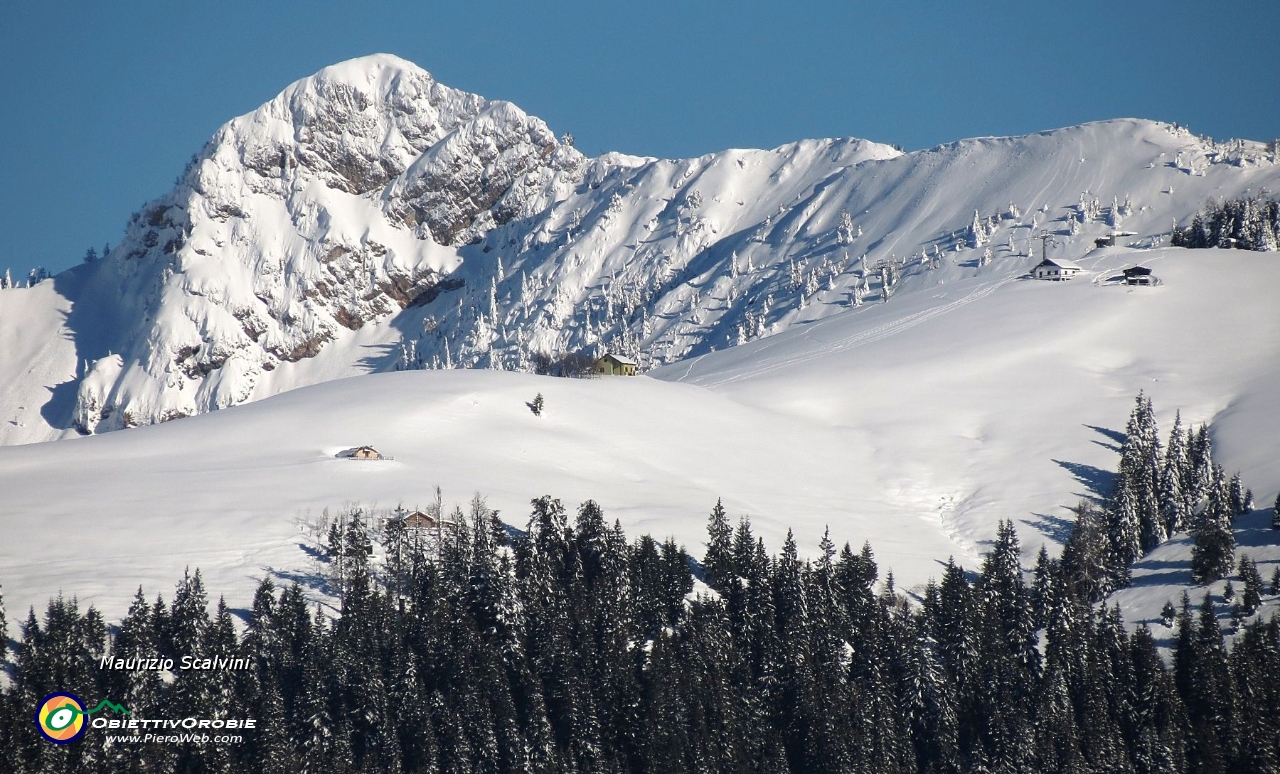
{"x":369,"y":218}
{"x":916,"y":424}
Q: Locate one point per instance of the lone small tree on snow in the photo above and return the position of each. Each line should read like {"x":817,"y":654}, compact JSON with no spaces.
{"x":536,"y":405}
{"x":1168,"y":614}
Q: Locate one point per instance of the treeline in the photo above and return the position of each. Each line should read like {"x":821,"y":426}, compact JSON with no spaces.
{"x":34,"y":277}
{"x":571,"y":649}
{"x":1247,"y":223}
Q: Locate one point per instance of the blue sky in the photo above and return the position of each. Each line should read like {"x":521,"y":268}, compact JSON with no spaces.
{"x":105,"y":101}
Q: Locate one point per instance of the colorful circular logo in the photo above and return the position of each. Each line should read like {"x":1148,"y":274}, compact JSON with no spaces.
{"x":61,"y":718}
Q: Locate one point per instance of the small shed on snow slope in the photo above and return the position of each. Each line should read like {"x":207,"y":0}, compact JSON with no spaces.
{"x":1055,"y":269}
{"x":615,"y":365}
{"x":366,"y":453}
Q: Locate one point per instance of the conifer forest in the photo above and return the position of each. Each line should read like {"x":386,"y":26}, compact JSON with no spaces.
{"x":570,"y":647}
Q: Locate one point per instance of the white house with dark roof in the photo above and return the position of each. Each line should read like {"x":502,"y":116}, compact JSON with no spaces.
{"x":1055,"y":269}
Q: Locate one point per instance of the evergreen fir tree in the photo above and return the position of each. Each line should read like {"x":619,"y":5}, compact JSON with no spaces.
{"x":1008,"y":660}
{"x":718,"y":563}
{"x":1125,"y":534}
{"x":1251,"y":596}
{"x":1154,"y":723}
{"x":1199,"y":471}
{"x":1086,"y":559}
{"x":977,"y":232}
{"x":1236,"y":497}
{"x":1213,"y":552}
{"x":1172,"y":487}
{"x":1044,"y":587}
{"x":1255,"y":668}
{"x":1136,"y":523}
{"x":1205,"y":685}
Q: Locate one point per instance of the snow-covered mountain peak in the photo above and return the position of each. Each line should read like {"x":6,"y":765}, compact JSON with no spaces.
{"x":328,"y":207}
{"x":353,"y":126}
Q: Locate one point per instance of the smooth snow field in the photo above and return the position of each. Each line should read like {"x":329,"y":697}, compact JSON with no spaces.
{"x":916,"y":424}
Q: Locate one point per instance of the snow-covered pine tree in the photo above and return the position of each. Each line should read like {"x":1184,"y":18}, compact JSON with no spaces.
{"x":1267,"y":240}
{"x":1124,"y":533}
{"x":1087,"y":559}
{"x":718,"y":562}
{"x":1236,"y":494}
{"x":977,"y":232}
{"x":845,"y":231}
{"x":1172,"y":491}
{"x":1251,"y":579}
{"x":1213,"y":551}
{"x":1008,"y":649}
{"x":1159,"y":738}
{"x":1199,"y":471}
{"x":1135,"y":521}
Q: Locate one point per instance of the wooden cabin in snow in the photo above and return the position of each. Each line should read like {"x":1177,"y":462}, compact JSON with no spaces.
{"x":366,"y":453}
{"x":1138,"y":275}
{"x":615,"y":365}
{"x":1055,"y":269}
{"x":419,"y":520}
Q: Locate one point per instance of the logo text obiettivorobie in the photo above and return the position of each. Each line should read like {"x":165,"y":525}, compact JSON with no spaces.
{"x":61,"y":719}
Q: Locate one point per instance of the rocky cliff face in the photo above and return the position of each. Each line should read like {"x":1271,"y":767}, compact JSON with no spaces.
{"x":370,"y":218}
